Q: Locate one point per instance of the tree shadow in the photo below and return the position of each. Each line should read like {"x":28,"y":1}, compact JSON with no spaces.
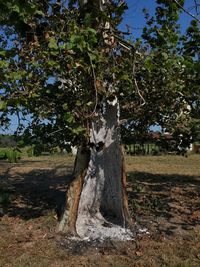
{"x":33,"y":193}
{"x":165,"y":203}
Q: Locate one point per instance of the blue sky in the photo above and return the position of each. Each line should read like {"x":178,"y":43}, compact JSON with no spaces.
{"x":134,"y":17}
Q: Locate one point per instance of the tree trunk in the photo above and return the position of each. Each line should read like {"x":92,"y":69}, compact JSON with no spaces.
{"x":96,"y":199}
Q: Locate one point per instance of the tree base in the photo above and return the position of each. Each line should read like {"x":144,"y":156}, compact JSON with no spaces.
{"x":97,"y":205}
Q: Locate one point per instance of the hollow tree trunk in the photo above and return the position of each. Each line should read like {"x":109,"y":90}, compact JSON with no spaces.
{"x":97,"y":199}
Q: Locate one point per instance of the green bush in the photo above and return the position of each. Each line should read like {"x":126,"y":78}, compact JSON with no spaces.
{"x":37,"y":150}
{"x":30,"y":151}
{"x":2,"y":154}
{"x":13,"y":155}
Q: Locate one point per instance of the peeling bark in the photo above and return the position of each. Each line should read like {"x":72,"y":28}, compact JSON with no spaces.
{"x":97,"y":198}
{"x":129,"y":221}
{"x":69,"y":217}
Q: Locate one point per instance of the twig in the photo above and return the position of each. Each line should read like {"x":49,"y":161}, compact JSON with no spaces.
{"x":95,"y":87}
{"x":138,"y":91}
{"x":52,"y":133}
{"x":19,"y":123}
{"x":124,"y":46}
{"x":186,"y":11}
{"x":196,"y":7}
{"x":136,"y":84}
{"x":124,"y":43}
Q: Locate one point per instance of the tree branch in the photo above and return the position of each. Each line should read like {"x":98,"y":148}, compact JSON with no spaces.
{"x":124,"y":43}
{"x":196,"y":7}
{"x":136,"y":84}
{"x":95,"y":87}
{"x":186,"y":11}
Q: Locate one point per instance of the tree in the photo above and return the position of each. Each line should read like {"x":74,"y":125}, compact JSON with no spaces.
{"x":165,"y":75}
{"x":191,"y":54}
{"x":60,"y":64}
{"x":71,"y":66}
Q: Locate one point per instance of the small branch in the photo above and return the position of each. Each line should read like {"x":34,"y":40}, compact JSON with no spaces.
{"x":57,"y":131}
{"x":19,"y":123}
{"x":124,"y":46}
{"x":136,"y":84}
{"x":124,"y":43}
{"x":138,"y":91}
{"x":196,"y":7}
{"x":186,"y":11}
{"x":96,"y":91}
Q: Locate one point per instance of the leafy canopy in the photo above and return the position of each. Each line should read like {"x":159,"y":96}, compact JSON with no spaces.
{"x":59,"y":60}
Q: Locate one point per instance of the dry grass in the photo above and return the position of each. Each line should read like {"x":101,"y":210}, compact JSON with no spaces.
{"x":164,"y":196}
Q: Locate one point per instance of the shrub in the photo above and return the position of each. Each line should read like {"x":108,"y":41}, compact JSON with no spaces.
{"x":2,"y":154}
{"x":30,"y":151}
{"x":13,"y":155}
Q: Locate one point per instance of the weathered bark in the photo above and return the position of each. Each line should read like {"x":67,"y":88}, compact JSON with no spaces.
{"x":69,"y":217}
{"x":97,"y":196}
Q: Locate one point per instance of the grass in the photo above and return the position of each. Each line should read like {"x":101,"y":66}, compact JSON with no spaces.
{"x":164,"y":197}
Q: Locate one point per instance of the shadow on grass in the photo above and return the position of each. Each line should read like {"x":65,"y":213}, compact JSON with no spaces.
{"x":169,"y":202}
{"x":32,"y":194}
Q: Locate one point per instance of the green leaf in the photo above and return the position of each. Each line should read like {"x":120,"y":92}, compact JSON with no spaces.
{"x":78,"y":103}
{"x":91,"y":30}
{"x":54,"y":52}
{"x":90,"y":103}
{"x":65,"y":106}
{"x":39,"y":12}
{"x":16,"y":8}
{"x":15,"y":75}
{"x":126,"y":78}
{"x":3,"y":105}
{"x":165,"y":55}
{"x":63,"y":46}
{"x":3,"y":53}
{"x":78,"y":130}
{"x":69,"y":117}
{"x":51,"y":63}
{"x":4,"y":64}
{"x":93,"y":56}
{"x":53,"y":43}
{"x":77,"y":42}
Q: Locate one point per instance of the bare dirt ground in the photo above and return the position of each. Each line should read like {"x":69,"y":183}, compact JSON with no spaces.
{"x":164,"y":197}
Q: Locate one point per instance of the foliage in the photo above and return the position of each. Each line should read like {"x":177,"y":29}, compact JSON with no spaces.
{"x":169,"y":75}
{"x":37,"y":150}
{"x":58,"y":62}
{"x":2,"y":154}
{"x":13,"y":155}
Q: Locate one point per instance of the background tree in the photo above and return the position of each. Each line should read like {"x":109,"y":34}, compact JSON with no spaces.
{"x":163,"y":75}
{"x":191,"y":53}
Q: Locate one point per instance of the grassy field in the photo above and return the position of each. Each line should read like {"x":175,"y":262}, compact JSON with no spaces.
{"x":164,"y":197}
